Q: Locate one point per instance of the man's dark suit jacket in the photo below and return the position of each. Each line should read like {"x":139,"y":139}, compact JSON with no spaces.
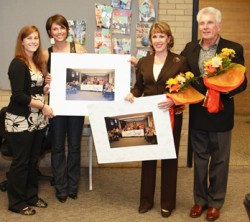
{"x":145,"y":82}
{"x":199,"y":117}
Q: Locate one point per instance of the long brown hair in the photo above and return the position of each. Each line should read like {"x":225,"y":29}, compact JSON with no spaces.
{"x":161,"y":27}
{"x":20,"y":52}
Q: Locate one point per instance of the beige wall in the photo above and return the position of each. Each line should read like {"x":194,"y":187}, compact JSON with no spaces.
{"x":178,"y":13}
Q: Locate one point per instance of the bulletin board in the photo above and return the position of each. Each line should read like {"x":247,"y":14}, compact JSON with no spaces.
{"x":14,"y":14}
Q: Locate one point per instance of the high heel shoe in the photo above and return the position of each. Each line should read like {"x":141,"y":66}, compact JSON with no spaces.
{"x":165,"y":213}
{"x":143,"y":209}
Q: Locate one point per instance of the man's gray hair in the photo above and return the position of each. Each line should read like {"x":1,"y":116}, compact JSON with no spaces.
{"x":210,"y":10}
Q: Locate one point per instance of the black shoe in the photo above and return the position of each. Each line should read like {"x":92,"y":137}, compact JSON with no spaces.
{"x":62,"y":199}
{"x":165,"y":213}
{"x":73,"y":196}
{"x":40,"y":203}
{"x":143,"y":209}
{"x":28,"y":211}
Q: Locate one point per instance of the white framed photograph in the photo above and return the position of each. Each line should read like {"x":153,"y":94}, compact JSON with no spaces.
{"x":82,"y":79}
{"x":125,"y":132}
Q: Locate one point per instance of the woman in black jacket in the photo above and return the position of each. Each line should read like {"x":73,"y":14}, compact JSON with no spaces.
{"x":25,"y":121}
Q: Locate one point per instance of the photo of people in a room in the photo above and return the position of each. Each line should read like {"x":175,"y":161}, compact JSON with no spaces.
{"x":131,"y":130}
{"x":90,"y":84}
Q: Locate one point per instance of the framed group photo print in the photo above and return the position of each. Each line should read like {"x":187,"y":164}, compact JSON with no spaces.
{"x":82,"y":79}
{"x":125,"y":132}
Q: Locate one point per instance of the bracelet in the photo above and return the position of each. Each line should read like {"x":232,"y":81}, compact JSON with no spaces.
{"x":43,"y":106}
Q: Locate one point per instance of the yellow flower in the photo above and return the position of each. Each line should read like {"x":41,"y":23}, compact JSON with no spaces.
{"x":172,"y":81}
{"x":180,"y":82}
{"x":227,"y":53}
{"x":219,"y":63}
{"x":208,"y":63}
{"x":189,"y":75}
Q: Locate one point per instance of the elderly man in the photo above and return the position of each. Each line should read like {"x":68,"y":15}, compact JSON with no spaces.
{"x":210,"y":133}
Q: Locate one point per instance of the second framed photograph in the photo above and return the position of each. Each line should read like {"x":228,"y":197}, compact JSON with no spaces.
{"x":125,"y":132}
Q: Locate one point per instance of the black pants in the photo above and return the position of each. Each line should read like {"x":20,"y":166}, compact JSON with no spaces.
{"x":22,"y":177}
{"x":66,"y":168}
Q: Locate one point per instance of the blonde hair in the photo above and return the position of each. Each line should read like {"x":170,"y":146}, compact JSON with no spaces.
{"x":161,"y":27}
{"x":20,"y":51}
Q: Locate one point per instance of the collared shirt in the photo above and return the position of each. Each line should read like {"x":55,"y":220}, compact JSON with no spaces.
{"x":206,"y":54}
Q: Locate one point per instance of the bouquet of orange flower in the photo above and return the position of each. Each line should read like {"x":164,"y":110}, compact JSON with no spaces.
{"x":221,"y":75}
{"x":181,"y":91}
{"x":220,"y":63}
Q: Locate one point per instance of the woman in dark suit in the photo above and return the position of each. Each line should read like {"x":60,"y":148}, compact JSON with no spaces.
{"x":151,"y":75}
